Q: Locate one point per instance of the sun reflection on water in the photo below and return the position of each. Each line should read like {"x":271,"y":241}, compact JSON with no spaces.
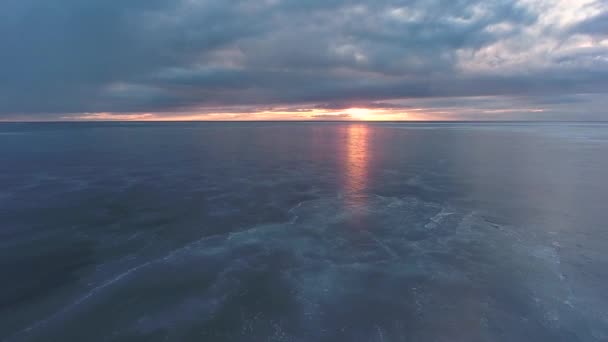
{"x":356,"y":164}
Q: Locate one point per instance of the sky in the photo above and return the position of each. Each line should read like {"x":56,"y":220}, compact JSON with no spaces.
{"x":303,"y":60}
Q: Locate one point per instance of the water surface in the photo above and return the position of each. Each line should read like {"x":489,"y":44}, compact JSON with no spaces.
{"x":303,"y":232}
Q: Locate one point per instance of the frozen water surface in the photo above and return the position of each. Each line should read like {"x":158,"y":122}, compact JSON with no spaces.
{"x":303,"y":232}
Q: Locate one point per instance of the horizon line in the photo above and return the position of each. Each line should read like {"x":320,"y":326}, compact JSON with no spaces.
{"x":304,"y":121}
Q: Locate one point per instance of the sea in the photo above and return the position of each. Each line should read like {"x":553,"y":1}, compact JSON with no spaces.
{"x":307,"y":231}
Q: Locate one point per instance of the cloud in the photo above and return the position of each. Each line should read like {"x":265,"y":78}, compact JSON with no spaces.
{"x":339,"y":116}
{"x":186,"y":56}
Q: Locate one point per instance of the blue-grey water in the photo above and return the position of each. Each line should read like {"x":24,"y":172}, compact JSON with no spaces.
{"x":303,"y":232}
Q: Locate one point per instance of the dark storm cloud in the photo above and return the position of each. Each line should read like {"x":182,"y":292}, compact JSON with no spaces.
{"x":75,"y":56}
{"x":65,"y":55}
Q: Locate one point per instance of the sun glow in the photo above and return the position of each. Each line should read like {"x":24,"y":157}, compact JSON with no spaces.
{"x":378,"y":114}
{"x":360,"y":113}
{"x":272,"y":114}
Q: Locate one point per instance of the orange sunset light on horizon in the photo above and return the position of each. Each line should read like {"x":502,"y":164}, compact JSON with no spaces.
{"x":348,"y":114}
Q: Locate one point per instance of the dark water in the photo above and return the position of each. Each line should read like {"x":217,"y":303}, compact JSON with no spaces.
{"x":303,"y":232}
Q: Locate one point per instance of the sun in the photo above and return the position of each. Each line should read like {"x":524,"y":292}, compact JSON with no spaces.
{"x":360,"y":113}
